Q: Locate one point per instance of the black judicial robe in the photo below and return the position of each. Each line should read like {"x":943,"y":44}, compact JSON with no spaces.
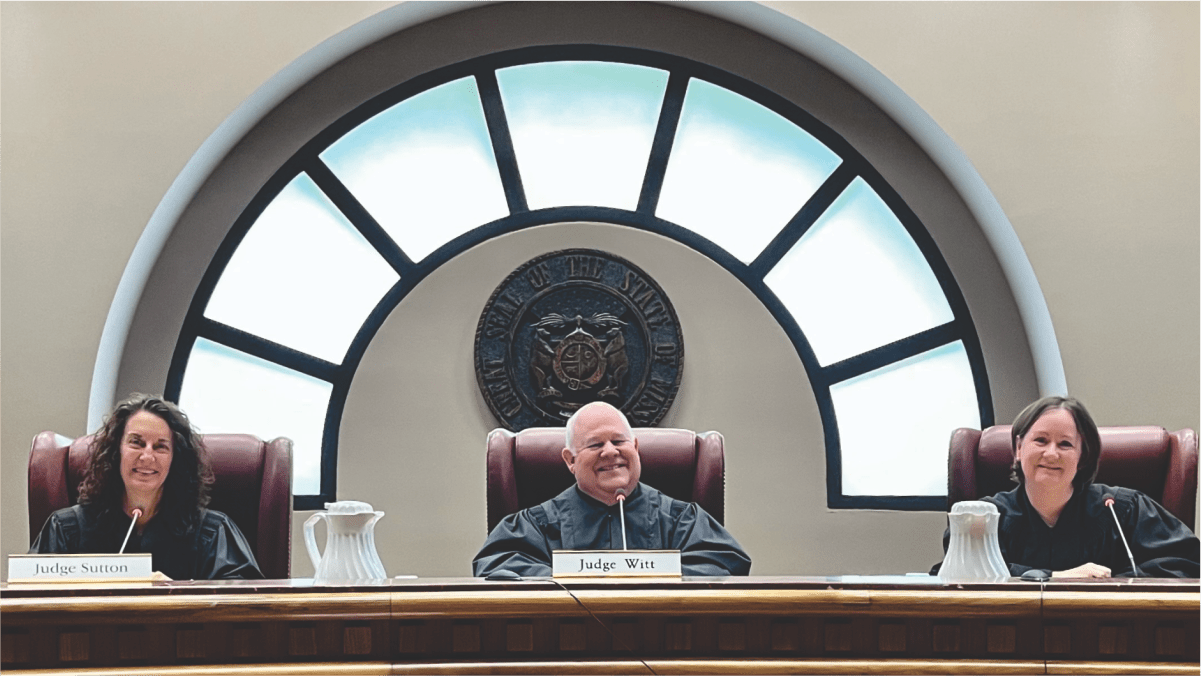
{"x":214,"y":550}
{"x":523,"y":542}
{"x":1085,"y":532}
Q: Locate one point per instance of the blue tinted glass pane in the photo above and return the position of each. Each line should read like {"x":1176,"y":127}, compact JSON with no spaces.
{"x":302,"y":276}
{"x":856,"y":280}
{"x":739,"y":172}
{"x":227,"y":391}
{"x":424,"y":168}
{"x":895,"y":423}
{"x":582,"y":131}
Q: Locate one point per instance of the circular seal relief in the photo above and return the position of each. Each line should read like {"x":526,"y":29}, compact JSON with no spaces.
{"x":576,"y":326}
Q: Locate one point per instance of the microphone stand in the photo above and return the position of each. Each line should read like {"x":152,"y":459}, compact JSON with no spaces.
{"x":1133,"y":566}
{"x":621,"y":507}
{"x":136,"y":513}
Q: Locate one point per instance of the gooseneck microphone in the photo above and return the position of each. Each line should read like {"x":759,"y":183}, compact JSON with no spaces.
{"x":136,"y":513}
{"x":621,"y":507}
{"x":1108,"y":500}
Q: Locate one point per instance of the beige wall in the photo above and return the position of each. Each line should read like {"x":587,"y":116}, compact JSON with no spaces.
{"x":1082,"y":118}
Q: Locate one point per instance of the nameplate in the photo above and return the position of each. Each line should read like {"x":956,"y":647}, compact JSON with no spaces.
{"x":616,"y":563}
{"x":76,"y":567}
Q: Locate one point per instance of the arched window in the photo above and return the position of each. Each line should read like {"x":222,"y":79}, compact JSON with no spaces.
{"x":374,"y":203}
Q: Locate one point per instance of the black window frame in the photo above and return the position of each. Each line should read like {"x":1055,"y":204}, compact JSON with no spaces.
{"x":680,"y":71}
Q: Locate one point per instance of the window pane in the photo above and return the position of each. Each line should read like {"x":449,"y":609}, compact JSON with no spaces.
{"x":856,"y":280}
{"x":227,"y":391}
{"x":303,"y":276}
{"x":739,"y":172}
{"x":424,"y":168}
{"x":895,"y":423}
{"x":582,"y":131}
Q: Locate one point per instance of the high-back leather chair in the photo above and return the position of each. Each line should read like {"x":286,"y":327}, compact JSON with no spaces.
{"x":252,"y":486}
{"x":527,"y":468}
{"x":1149,"y":459}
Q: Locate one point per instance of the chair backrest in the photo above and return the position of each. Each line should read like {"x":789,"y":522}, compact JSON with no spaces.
{"x":527,"y":468}
{"x":253,"y":486}
{"x":1148,"y":459}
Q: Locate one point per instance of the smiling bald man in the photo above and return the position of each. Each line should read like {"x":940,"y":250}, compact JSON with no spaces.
{"x":602,"y":453}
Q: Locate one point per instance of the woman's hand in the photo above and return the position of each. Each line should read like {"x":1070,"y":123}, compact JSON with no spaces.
{"x":1087,"y":570}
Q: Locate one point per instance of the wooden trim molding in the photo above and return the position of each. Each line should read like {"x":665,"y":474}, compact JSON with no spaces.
{"x":728,"y":626}
{"x":208,"y":608}
{"x":663,"y":667}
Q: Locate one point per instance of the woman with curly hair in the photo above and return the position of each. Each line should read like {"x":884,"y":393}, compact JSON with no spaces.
{"x":148,"y":460}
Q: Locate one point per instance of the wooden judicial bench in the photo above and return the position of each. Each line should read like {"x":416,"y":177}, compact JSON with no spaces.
{"x":834,"y":625}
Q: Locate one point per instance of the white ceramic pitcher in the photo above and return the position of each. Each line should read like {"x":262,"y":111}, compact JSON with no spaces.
{"x":974,"y":553}
{"x":350,"y":553}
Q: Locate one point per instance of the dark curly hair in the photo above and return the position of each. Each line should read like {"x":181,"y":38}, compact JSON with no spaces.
{"x":1090,"y":438}
{"x":186,"y":489}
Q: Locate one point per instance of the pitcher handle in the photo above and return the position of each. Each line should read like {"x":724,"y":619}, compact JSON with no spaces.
{"x":310,"y":541}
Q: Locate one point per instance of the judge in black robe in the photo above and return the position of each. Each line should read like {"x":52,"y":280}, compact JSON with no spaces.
{"x":212,"y":550}
{"x":1073,"y":533}
{"x":148,"y":467}
{"x":602,"y":453}
{"x":523,"y":542}
{"x":1085,"y":532}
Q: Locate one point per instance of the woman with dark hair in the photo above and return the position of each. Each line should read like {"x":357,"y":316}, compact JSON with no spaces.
{"x":148,"y":461}
{"x":1056,"y":519}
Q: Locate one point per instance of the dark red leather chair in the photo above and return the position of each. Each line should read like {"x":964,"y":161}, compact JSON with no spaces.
{"x":1149,"y":459}
{"x":527,"y":468}
{"x":253,"y":486}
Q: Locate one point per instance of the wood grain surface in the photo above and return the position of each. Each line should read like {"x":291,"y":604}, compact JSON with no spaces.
{"x":735,"y":626}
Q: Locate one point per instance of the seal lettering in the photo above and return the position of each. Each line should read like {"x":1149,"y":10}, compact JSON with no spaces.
{"x":655,"y":393}
{"x":494,"y":370}
{"x":630,"y":284}
{"x":665,"y":352}
{"x":503,"y":311}
{"x":538,"y":276}
{"x":505,"y":397}
{"x":585,"y":267}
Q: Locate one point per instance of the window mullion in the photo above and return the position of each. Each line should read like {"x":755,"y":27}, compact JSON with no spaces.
{"x":665,"y":135}
{"x":502,"y":141}
{"x":268,"y":350}
{"x":805,"y":217}
{"x":893,"y":352}
{"x":358,"y":216}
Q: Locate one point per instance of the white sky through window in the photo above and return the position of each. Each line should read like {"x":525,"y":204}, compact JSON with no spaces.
{"x":227,"y":391}
{"x":413,"y":165}
{"x":895,"y":423}
{"x":739,"y":172}
{"x":856,"y":280}
{"x":582,"y":131}
{"x":303,"y":276}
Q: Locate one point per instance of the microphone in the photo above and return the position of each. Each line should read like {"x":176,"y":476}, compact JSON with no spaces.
{"x":137,"y":512}
{"x":621,"y":507}
{"x":1108,"y":500}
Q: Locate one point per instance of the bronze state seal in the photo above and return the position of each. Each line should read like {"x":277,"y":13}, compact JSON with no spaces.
{"x":575,"y":326}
